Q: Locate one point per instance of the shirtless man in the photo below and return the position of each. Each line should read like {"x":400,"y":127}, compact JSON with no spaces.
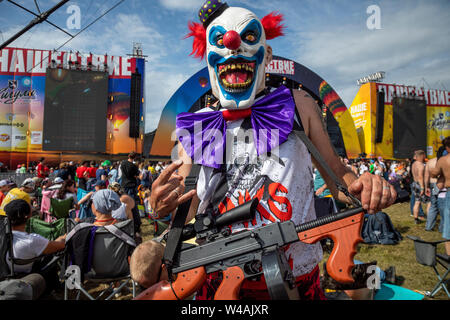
{"x":442,"y":169}
{"x":432,"y":187}
{"x":418,"y":185}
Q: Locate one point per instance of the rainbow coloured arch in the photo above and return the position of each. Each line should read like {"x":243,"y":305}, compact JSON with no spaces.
{"x":186,"y":97}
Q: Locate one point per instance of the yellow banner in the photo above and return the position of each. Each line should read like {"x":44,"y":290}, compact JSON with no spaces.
{"x":360,"y":111}
{"x":438,"y":128}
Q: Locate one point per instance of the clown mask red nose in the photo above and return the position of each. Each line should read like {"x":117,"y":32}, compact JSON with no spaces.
{"x":232,"y":40}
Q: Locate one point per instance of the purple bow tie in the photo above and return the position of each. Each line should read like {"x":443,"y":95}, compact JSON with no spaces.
{"x":203,"y":135}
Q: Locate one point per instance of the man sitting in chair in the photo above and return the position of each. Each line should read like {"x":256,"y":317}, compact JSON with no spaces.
{"x":28,"y":246}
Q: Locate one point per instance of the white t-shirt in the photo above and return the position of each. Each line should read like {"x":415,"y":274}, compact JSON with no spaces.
{"x":27,"y":246}
{"x":284,"y":185}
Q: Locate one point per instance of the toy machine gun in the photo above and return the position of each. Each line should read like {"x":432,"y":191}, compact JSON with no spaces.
{"x":253,"y":253}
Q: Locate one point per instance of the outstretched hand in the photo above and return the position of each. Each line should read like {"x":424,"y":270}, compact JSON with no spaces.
{"x":374,"y":192}
{"x":167,"y":191}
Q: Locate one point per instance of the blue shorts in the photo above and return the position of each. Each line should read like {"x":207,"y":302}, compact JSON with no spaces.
{"x":446,"y":229}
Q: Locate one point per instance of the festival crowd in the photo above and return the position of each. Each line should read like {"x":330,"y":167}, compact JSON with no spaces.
{"x":100,"y":193}
{"x":413,"y":180}
{"x":109,"y":192}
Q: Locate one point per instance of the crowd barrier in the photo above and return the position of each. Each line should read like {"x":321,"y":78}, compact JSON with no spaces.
{"x":17,"y":178}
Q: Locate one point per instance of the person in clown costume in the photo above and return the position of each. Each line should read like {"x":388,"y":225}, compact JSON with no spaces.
{"x":247,"y":147}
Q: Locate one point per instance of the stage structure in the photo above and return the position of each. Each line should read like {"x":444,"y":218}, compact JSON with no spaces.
{"x":195,"y":94}
{"x":393,"y":121}
{"x":69,"y":105}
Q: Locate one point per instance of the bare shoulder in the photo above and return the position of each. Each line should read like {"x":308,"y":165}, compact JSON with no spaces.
{"x":305,"y":102}
{"x":432,"y":163}
{"x":444,"y":162}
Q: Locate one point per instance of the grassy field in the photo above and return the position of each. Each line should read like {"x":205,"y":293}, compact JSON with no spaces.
{"x":409,"y":274}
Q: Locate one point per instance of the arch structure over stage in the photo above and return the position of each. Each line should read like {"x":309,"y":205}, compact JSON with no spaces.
{"x":195,"y":93}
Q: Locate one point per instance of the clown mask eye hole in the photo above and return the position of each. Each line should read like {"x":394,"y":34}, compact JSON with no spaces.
{"x":250,"y":37}
{"x":219,"y":39}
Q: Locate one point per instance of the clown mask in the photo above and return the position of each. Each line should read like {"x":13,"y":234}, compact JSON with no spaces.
{"x":236,"y":53}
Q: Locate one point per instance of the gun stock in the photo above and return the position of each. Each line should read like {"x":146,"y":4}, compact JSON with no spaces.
{"x":186,"y":284}
{"x":346,"y":234}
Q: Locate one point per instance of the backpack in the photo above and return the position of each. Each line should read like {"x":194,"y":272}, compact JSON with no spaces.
{"x":378,"y":229}
{"x":90,"y":184}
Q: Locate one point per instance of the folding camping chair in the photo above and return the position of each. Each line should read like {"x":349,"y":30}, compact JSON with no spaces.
{"x":426,"y":254}
{"x":7,"y":253}
{"x":61,"y":209}
{"x":105,"y":260}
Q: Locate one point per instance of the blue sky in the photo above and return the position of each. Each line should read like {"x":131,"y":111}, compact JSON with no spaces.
{"x":330,"y":37}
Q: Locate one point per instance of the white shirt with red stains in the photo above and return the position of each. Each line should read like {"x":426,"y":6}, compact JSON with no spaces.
{"x":282,"y":182}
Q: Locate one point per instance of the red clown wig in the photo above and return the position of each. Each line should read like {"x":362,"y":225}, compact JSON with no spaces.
{"x":272,"y":24}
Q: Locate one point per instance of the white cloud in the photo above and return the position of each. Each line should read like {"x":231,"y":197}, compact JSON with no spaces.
{"x":331,"y":39}
{"x":181,"y":5}
{"x":409,"y":47}
{"x":160,"y":86}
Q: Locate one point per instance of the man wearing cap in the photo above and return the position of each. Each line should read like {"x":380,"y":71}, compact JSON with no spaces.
{"x":233,"y":40}
{"x":23,"y":193}
{"x":57,"y":183}
{"x":5,"y":186}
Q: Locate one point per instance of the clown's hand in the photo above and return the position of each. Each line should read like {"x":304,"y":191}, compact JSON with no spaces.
{"x":168,"y":191}
{"x":374,"y":192}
